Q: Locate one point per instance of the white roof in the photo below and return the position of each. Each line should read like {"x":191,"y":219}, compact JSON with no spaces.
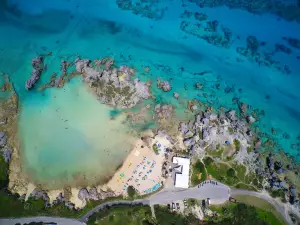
{"x":182,"y":177}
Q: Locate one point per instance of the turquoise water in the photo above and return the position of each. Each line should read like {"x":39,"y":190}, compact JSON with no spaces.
{"x":96,"y":29}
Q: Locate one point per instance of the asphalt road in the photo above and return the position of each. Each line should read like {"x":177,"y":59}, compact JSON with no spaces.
{"x":217,"y":194}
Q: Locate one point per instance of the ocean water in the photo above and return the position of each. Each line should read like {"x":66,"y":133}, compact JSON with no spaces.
{"x":100,"y":28}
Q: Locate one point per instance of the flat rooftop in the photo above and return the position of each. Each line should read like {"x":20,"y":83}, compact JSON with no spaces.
{"x":182,"y":172}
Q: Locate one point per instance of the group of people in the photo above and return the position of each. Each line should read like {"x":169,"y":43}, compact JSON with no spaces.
{"x":208,"y":182}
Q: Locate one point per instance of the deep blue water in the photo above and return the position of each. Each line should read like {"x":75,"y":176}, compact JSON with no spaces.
{"x":172,"y":45}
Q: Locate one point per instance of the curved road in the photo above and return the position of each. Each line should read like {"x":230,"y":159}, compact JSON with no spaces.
{"x":217,"y":193}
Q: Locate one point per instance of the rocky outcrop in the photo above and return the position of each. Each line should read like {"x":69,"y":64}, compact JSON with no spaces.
{"x":85,"y":195}
{"x":113,"y":86}
{"x":38,"y":67}
{"x":3,"y":139}
{"x":176,"y":95}
{"x":164,"y":85}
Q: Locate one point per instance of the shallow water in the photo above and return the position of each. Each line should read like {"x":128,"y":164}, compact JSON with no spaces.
{"x":71,"y":137}
{"x":96,"y":29}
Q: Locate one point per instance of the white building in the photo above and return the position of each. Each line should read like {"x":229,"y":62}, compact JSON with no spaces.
{"x":182,"y":172}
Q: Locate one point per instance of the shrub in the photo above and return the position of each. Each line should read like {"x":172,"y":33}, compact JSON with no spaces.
{"x":131,"y":191}
{"x":155,"y":148}
{"x":237,"y":144}
{"x":207,"y":161}
{"x":231,"y":172}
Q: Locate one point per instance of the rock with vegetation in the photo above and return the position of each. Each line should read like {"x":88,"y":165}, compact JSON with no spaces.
{"x":113,"y":86}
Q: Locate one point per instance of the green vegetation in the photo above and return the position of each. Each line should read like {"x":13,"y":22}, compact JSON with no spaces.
{"x":241,"y":213}
{"x":237,"y":145}
{"x":231,"y":172}
{"x":199,"y":173}
{"x":11,"y":206}
{"x":230,"y":130}
{"x":166,"y":217}
{"x":278,"y":194}
{"x":3,"y":172}
{"x":245,"y":186}
{"x":265,"y":210}
{"x":240,"y":171}
{"x":133,"y":215}
{"x":220,"y":172}
{"x":218,"y":153}
{"x":249,"y":149}
{"x":131,"y":191}
{"x":155,"y":148}
{"x":207,"y":161}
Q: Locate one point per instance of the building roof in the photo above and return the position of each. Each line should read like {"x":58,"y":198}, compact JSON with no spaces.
{"x":182,"y":172}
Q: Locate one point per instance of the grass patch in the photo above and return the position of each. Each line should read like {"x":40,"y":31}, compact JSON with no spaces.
{"x":155,"y":148}
{"x":237,"y":145}
{"x":240,"y":172}
{"x":219,"y":172}
{"x":245,"y":187}
{"x":166,"y":217}
{"x":218,"y":153}
{"x":249,"y":149}
{"x":268,"y":217}
{"x":266,"y":207}
{"x":241,"y":213}
{"x":199,"y":173}
{"x":133,"y":215}
{"x":230,"y":130}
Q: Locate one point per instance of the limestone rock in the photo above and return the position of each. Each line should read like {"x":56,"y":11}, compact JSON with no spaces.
{"x":38,"y":67}
{"x":176,"y":95}
{"x":231,"y":115}
{"x":164,"y":85}
{"x":3,"y":139}
{"x":183,"y":128}
{"x":250,"y":119}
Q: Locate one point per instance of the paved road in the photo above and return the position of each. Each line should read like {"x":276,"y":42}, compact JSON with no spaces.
{"x":217,"y":194}
{"x":59,"y":221}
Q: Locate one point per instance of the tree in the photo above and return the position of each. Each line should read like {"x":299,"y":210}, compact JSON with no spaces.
{"x":131,"y":191}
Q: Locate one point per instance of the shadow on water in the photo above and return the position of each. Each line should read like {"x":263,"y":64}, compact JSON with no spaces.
{"x":94,"y":27}
{"x":49,"y":22}
{"x":292,"y":112}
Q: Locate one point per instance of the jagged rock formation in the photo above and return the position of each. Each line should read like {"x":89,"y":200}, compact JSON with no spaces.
{"x":164,"y":85}
{"x":113,"y":86}
{"x":38,"y":67}
{"x":84,"y":194}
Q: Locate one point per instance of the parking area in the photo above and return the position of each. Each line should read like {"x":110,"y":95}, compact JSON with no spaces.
{"x":178,"y":206}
